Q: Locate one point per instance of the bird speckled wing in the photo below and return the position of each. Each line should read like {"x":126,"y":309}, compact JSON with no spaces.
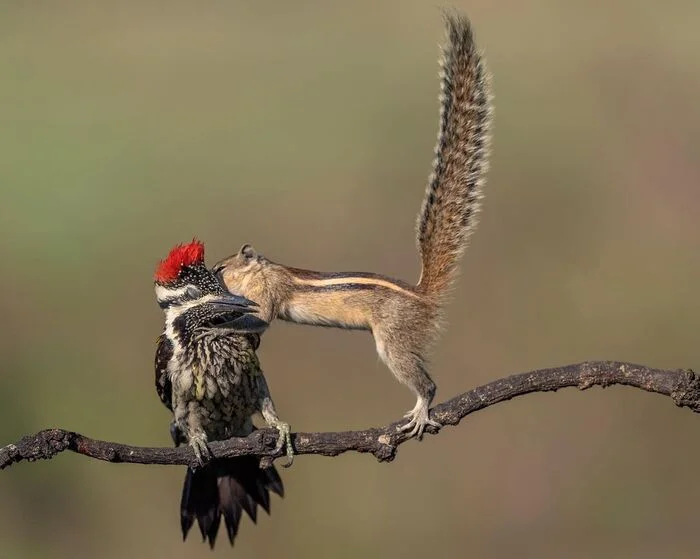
{"x":164,"y":388}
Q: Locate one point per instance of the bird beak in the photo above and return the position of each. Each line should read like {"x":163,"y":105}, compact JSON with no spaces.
{"x":242,"y":312}
{"x":245,"y":324}
{"x":233,"y":303}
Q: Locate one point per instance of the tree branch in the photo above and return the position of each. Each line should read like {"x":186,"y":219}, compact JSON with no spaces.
{"x":682,"y":386}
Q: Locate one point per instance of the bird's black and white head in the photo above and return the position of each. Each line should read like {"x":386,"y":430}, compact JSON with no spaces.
{"x":192,"y":297}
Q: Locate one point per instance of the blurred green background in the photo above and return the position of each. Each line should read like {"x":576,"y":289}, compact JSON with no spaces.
{"x":307,"y":129}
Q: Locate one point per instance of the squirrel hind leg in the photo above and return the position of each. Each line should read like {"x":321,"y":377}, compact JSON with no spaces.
{"x":408,"y":366}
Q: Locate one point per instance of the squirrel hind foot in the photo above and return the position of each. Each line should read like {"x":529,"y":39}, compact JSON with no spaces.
{"x":419,"y":419}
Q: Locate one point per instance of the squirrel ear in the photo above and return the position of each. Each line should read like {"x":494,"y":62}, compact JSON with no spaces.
{"x":248,"y":252}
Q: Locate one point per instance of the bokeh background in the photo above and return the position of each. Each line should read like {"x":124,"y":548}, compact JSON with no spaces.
{"x":307,"y":128}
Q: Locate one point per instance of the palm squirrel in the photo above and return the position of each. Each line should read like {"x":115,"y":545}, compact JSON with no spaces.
{"x":403,"y":318}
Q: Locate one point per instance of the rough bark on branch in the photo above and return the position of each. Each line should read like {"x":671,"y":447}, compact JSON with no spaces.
{"x":682,"y":386}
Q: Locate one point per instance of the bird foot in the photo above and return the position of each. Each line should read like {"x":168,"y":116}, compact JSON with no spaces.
{"x":199,"y":446}
{"x":284,"y":440}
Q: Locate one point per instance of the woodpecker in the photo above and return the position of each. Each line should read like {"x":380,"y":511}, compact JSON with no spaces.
{"x":208,"y":375}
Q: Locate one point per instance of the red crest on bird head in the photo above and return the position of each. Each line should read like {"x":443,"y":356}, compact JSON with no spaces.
{"x":189,"y":254}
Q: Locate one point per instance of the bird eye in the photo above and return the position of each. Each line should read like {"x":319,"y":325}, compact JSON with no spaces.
{"x":192,"y":292}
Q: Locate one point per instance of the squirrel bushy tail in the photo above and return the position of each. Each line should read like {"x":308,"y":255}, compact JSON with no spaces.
{"x":453,"y":195}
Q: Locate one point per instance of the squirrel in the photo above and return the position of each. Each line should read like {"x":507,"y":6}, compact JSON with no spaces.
{"x":404,"y":319}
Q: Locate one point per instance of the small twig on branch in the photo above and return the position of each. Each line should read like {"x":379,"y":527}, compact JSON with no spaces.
{"x":682,"y":386}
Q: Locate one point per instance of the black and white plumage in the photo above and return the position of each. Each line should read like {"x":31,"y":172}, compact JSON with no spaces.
{"x":208,"y":375}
